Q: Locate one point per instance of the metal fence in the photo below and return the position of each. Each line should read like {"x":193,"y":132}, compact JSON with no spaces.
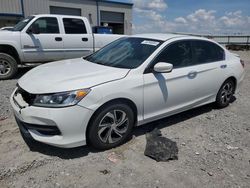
{"x":229,"y":40}
{"x":234,"y":42}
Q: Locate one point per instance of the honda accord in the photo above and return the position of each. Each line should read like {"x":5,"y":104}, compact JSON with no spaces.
{"x":98,"y":99}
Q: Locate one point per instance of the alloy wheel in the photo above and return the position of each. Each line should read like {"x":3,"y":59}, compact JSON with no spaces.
{"x":226,"y":93}
{"x":113,"y":126}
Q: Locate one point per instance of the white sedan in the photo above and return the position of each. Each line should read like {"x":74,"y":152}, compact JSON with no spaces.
{"x":132,"y":81}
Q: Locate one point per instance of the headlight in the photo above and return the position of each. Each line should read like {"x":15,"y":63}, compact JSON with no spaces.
{"x":63,"y":99}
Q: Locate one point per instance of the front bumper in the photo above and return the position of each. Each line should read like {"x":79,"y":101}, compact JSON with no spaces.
{"x":61,"y":127}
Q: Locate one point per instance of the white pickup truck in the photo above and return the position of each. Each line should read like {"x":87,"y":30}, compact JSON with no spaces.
{"x":44,"y":38}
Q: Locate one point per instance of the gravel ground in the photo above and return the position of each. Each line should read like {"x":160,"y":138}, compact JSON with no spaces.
{"x":214,"y":151}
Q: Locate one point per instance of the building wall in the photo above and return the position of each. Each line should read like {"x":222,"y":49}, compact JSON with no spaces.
{"x":88,"y":9}
{"x":10,"y":6}
{"x":7,"y":22}
{"x":36,"y":7}
{"x":127,"y":10}
{"x":43,"y":7}
{"x":10,"y":12}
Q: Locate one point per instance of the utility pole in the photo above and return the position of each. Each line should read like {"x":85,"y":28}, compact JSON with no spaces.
{"x":98,"y":14}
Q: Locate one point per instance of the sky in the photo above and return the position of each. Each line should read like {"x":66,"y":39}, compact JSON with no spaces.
{"x":191,"y":16}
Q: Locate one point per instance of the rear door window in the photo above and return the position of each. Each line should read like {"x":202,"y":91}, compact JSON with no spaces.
{"x":74,"y":26}
{"x":179,"y":54}
{"x":206,"y":52}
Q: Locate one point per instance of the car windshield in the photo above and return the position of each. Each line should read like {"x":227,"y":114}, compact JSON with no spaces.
{"x":129,"y":52}
{"x":20,"y":25}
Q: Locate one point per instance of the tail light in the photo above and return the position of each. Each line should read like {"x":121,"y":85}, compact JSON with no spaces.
{"x":242,"y":63}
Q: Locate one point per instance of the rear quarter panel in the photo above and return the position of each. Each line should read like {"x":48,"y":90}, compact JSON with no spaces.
{"x":235,"y":68}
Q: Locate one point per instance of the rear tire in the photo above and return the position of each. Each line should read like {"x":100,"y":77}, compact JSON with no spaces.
{"x":225,"y":94}
{"x":8,"y":66}
{"x":111,"y":126}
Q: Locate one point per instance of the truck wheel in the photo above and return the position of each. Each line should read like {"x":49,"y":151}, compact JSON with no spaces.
{"x":8,"y":66}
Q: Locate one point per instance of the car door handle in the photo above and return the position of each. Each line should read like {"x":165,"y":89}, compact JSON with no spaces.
{"x":58,"y":39}
{"x":85,"y":39}
{"x":192,"y":74}
{"x":223,"y":66}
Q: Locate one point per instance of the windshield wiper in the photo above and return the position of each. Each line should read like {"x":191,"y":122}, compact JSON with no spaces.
{"x":101,"y":63}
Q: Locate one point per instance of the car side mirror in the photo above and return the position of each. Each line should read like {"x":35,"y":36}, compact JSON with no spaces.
{"x":163,"y":67}
{"x":34,"y":29}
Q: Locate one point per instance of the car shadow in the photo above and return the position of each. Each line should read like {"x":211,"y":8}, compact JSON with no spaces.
{"x":177,"y":118}
{"x":233,"y":99}
{"x":63,"y":153}
{"x":21,"y":72}
{"x":172,"y":120}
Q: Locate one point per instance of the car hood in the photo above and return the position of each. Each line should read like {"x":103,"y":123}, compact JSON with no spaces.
{"x":9,"y":36}
{"x":5,"y":32}
{"x":68,"y":75}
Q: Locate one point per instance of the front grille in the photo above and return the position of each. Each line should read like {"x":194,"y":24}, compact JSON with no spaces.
{"x":27,"y":97}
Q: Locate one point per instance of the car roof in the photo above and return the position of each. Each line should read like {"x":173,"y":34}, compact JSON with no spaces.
{"x":158,"y":36}
{"x":58,"y":15}
{"x":164,"y":37}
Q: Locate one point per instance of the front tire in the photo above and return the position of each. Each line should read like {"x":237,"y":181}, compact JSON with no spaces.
{"x":111,"y":126}
{"x":8,"y":66}
{"x":225,"y":94}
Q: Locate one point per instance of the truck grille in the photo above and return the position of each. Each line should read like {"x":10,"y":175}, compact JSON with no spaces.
{"x":27,"y":97}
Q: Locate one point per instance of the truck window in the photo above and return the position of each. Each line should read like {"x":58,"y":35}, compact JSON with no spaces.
{"x":22,"y":24}
{"x":46,"y":25}
{"x":74,"y":26}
